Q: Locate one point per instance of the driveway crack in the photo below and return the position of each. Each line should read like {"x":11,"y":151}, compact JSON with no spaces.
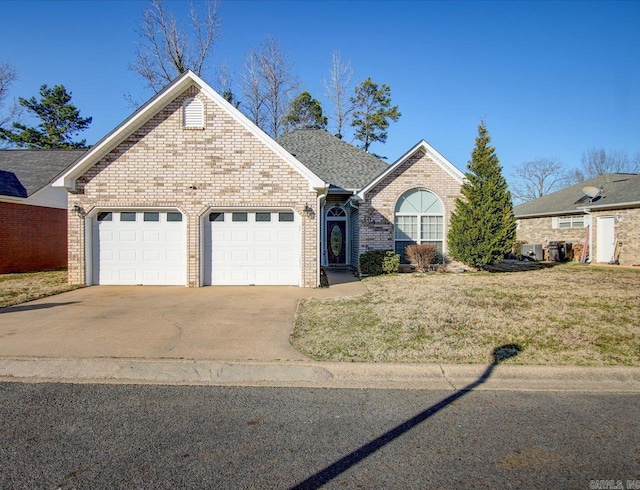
{"x":444,"y":375}
{"x":177,"y":326}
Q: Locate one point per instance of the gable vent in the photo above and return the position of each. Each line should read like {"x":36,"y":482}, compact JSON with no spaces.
{"x":193,"y":113}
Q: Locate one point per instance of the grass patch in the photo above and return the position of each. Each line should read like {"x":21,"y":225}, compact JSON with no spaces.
{"x":19,"y":288}
{"x":563,"y":315}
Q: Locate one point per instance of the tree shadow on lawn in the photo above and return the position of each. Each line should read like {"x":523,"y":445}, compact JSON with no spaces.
{"x":324,"y":476}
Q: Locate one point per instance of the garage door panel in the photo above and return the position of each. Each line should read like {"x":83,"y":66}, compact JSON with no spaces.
{"x":150,"y":236}
{"x":127,"y":236}
{"x":250,"y":252}
{"x":139,"y":252}
{"x":150,"y":255}
{"x":127,"y":255}
{"x":174,"y":236}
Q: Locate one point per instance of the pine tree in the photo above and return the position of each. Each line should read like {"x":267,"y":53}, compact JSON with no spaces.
{"x":60,"y":121}
{"x":483,"y":227}
{"x":372,"y":112}
{"x":306,"y":112}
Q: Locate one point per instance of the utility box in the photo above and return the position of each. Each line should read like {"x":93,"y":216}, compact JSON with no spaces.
{"x":533,"y":251}
{"x":557,"y":251}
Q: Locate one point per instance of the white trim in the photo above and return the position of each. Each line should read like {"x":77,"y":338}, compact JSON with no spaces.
{"x":155,"y":105}
{"x":445,"y":164}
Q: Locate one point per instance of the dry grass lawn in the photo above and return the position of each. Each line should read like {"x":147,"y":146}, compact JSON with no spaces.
{"x":568,"y":314}
{"x":18,"y":288}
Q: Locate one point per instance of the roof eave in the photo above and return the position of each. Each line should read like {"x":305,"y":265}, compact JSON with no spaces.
{"x":151,"y":108}
{"x":630,"y":204}
{"x":446,"y":165}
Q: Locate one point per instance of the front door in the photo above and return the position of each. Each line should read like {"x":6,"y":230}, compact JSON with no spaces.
{"x":606,"y":239}
{"x":336,"y":242}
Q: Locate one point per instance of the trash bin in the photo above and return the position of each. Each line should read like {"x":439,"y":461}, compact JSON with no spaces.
{"x":556,"y":252}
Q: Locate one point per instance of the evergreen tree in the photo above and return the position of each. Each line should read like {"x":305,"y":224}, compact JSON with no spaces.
{"x":60,"y":122}
{"x":372,"y":112}
{"x":306,"y":112}
{"x":483,"y":227}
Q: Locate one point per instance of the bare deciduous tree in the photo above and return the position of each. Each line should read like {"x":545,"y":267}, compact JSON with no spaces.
{"x":252,"y":89}
{"x":7,"y":76}
{"x":336,"y":90}
{"x":169,"y":49}
{"x":597,"y":161}
{"x":538,"y":178}
{"x":280,"y":86}
{"x":224,"y":85}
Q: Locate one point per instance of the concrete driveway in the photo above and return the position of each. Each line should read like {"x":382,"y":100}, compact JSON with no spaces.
{"x":214,"y":323}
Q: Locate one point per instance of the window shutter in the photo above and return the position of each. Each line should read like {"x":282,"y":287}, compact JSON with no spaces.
{"x":554,"y":222}
{"x":193,"y":114}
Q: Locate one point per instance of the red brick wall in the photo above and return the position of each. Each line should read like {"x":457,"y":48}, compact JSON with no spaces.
{"x":32,"y":238}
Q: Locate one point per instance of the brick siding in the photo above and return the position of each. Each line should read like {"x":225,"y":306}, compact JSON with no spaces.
{"x":627,"y":231}
{"x":163,"y":165}
{"x":376,"y":216}
{"x":32,"y":238}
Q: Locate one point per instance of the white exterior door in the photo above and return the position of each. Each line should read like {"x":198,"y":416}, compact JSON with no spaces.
{"x":139,"y":247}
{"x":606,"y":239}
{"x":252,"y":247}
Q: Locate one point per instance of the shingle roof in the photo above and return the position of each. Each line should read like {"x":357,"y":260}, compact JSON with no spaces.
{"x":333,"y":160}
{"x":25,"y":172}
{"x":616,"y":190}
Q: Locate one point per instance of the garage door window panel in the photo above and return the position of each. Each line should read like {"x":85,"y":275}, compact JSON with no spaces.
{"x":127,"y":216}
{"x":152,"y":216}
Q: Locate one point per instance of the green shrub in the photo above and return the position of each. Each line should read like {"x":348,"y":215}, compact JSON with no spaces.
{"x":391,"y":262}
{"x":376,"y":262}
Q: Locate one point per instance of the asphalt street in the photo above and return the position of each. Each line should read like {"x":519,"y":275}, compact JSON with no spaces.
{"x":145,"y":436}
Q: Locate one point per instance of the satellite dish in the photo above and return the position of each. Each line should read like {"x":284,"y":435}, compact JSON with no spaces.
{"x":591,"y":191}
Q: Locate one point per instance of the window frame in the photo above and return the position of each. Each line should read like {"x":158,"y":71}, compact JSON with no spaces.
{"x":421,"y":229}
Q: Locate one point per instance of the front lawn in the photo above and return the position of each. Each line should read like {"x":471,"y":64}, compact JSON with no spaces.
{"x":567,"y":314}
{"x":18,"y":288}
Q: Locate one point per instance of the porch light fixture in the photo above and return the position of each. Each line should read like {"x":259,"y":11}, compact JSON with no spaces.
{"x":308,"y":210}
{"x":78,"y":209}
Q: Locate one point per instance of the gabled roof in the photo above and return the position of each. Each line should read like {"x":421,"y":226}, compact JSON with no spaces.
{"x":155,"y":105}
{"x":335,"y":161}
{"x":25,"y":172}
{"x":616,"y":190}
{"x":429,"y":150}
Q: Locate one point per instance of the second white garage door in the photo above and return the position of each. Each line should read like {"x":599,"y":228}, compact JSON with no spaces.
{"x":253,"y":247}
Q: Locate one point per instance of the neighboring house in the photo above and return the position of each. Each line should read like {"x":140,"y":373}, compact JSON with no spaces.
{"x":33,"y":215}
{"x":608,"y":223}
{"x":188,"y":191}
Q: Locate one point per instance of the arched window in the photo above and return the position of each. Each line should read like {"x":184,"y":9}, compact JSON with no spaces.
{"x":193,"y":113}
{"x":419,"y":218}
{"x":336,"y":212}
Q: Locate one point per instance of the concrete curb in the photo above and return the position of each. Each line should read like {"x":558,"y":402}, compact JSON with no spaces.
{"x":320,"y":374}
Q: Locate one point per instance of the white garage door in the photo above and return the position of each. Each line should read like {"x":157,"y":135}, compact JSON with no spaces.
{"x":254,"y":247}
{"x":139,"y":247}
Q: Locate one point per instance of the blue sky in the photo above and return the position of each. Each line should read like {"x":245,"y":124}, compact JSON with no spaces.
{"x":551,"y":79}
